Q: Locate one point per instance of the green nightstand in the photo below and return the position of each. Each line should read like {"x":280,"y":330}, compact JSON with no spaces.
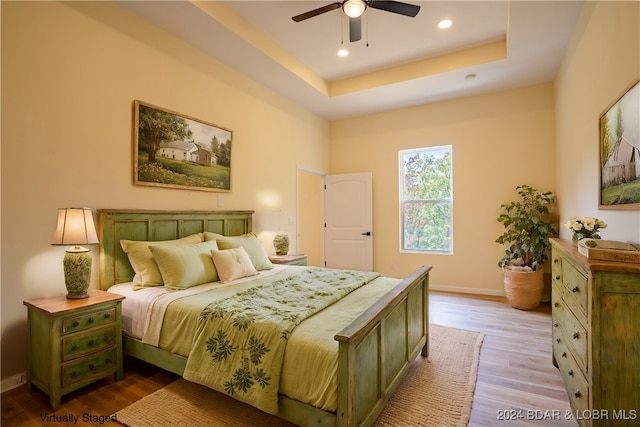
{"x":289,"y":259}
{"x":73,"y":342}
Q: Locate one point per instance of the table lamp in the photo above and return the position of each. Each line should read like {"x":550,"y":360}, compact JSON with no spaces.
{"x":75,"y":227}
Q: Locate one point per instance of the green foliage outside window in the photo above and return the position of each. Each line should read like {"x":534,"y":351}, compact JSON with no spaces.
{"x":426,"y":199}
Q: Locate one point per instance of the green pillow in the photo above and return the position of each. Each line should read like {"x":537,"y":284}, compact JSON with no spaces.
{"x":252,"y":245}
{"x":141,"y":258}
{"x":233,"y":264}
{"x":185,"y":266}
{"x":208,"y":235}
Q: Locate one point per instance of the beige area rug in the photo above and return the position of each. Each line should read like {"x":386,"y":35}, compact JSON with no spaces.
{"x":436,"y":392}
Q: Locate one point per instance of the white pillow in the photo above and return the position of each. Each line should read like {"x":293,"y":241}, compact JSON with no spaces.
{"x":233,"y":264}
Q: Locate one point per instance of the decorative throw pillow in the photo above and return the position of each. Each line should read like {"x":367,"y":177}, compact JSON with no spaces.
{"x":233,"y":264}
{"x":252,"y":245}
{"x":184,"y":266}
{"x":141,"y":258}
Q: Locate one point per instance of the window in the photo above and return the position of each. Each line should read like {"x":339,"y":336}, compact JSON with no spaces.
{"x":426,"y":200}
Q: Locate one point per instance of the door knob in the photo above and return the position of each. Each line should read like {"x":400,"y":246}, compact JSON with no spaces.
{"x":367,"y":233}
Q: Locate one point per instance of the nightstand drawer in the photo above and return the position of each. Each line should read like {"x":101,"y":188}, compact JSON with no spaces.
{"x":90,"y":320}
{"x":80,"y":345}
{"x":85,"y":368}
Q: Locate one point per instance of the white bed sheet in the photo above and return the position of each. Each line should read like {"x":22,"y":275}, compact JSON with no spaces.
{"x":139,"y":305}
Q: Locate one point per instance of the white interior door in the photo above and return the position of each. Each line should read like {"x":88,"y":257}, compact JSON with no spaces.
{"x":349,"y":221}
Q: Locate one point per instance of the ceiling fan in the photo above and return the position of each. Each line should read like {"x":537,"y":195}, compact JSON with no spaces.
{"x":354,"y":10}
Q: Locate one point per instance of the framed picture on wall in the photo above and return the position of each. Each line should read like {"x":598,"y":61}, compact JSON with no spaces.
{"x":620,"y":152}
{"x":176,"y":151}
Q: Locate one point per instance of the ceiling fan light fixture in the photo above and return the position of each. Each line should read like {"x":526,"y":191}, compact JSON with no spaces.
{"x":354,"y":8}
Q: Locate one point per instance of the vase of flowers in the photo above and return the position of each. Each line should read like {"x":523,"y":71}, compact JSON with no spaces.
{"x":584,"y":228}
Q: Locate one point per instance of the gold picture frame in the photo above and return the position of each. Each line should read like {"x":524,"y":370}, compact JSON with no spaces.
{"x":176,"y":151}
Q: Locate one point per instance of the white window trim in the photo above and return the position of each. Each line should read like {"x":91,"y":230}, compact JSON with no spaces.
{"x":401,"y":202}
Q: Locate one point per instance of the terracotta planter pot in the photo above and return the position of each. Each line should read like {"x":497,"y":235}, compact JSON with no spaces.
{"x":523,"y":289}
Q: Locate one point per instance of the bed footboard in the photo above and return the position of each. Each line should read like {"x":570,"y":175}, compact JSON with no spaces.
{"x":378,"y":347}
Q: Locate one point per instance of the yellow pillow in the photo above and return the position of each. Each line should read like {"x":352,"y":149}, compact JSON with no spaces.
{"x":141,"y":258}
{"x":208,"y":235}
{"x":184,"y":266}
{"x":252,"y":245}
{"x":233,"y":264}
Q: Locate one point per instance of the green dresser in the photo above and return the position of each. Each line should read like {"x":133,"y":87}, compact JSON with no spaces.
{"x":596,"y":336}
{"x":73,"y":342}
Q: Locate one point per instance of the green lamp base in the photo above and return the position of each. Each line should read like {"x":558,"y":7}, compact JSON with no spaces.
{"x":77,"y":272}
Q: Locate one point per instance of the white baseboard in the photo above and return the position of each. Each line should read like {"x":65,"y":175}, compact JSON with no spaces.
{"x":12,"y":382}
{"x":460,"y":290}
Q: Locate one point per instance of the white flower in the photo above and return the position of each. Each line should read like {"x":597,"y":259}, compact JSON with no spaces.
{"x":589,"y":223}
{"x":585,"y":226}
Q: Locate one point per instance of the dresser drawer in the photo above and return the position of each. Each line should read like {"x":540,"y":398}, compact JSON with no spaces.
{"x":576,"y":288}
{"x":576,"y":339}
{"x":574,"y":380}
{"x":87,"y":367}
{"x":80,"y":345}
{"x":88,"y":320}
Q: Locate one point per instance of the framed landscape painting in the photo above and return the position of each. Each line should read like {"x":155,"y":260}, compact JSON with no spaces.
{"x":176,"y":151}
{"x":620,"y":152}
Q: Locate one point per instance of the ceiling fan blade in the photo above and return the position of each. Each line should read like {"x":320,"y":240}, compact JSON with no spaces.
{"x":355,"y":29}
{"x":396,"y":7}
{"x":316,"y":12}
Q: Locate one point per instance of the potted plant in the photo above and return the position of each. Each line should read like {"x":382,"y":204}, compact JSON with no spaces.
{"x":526,"y":239}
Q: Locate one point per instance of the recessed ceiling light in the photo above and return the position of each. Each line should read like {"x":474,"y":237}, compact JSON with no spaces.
{"x":343,"y":52}
{"x":445,"y":23}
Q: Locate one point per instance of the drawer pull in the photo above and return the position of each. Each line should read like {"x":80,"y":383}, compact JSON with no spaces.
{"x":564,"y":354}
{"x":558,"y":277}
{"x":91,"y":320}
{"x":105,"y":338}
{"x":556,"y":304}
{"x":92,"y":367}
{"x":107,"y":315}
{"x":91,"y":343}
{"x":75,"y":324}
{"x":570,"y":372}
{"x":576,"y":335}
{"x":575,"y":289}
{"x":555,"y":260}
{"x":577,"y":394}
{"x":558,"y":340}
{"x":555,"y":324}
{"x":74,"y":347}
{"x":74,"y":374}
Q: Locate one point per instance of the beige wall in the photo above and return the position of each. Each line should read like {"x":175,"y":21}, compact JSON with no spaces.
{"x":601,"y":63}
{"x":499,"y":141}
{"x":70,"y":73}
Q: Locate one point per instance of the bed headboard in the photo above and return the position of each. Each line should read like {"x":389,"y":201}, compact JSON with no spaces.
{"x":118,"y":224}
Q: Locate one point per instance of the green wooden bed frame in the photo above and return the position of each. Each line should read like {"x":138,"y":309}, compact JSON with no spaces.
{"x":375,"y":350}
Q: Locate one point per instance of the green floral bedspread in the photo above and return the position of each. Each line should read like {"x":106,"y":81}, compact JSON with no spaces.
{"x":240,"y":341}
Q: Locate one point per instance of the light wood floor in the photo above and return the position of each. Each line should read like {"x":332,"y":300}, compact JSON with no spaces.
{"x":515,"y":377}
